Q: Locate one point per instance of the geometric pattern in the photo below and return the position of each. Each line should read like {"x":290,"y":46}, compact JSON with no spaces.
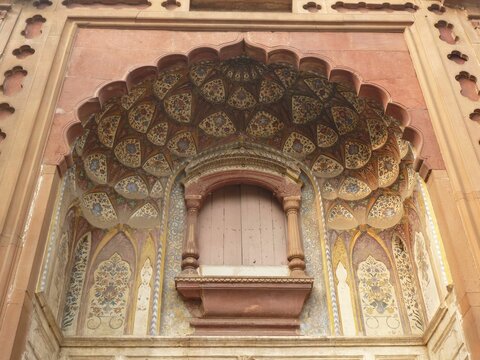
{"x":326,"y":136}
{"x":218,"y":124}
{"x":96,"y":167}
{"x":214,"y":91}
{"x":270,"y":92}
{"x":132,"y":187}
{"x":357,"y":154}
{"x":133,"y":95}
{"x":241,"y":99}
{"x":327,"y":167}
{"x":164,"y":84}
{"x":353,"y":189}
{"x":157,"y":165}
{"x":264,"y":125}
{"x":211,"y":103}
{"x":107,"y":128}
{"x":141,"y":116}
{"x":128,"y":152}
{"x":298,"y":145}
{"x":345,"y":119}
{"x":182,"y":144}
{"x":305,"y":109}
{"x":158,"y":134}
{"x":179,"y":107}
{"x":100,"y":206}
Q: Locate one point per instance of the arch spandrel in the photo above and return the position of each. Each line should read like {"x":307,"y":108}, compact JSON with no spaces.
{"x":158,"y":120}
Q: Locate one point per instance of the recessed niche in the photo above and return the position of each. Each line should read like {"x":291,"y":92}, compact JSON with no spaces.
{"x":23,"y":51}
{"x":475,"y":116}
{"x":34,"y":26}
{"x":437,"y":9}
{"x":2,"y":136}
{"x":312,"y":7}
{"x":13,"y":82}
{"x":468,"y":83}
{"x":171,"y":4}
{"x":446,"y":32}
{"x":457,"y":57}
{"x":6,"y":110}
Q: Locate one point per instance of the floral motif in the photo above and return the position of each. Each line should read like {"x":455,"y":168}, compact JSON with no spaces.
{"x":298,"y":145}
{"x":132,"y":187}
{"x":353,"y":189}
{"x":141,"y":116}
{"x":387,"y":171}
{"x":179,"y":107}
{"x":182,"y":144}
{"x":214,"y":91}
{"x":305,"y":109}
{"x":96,"y":168}
{"x":80,"y":144}
{"x":402,"y":145}
{"x":133,"y":95}
{"x":407,"y":282}
{"x":357,"y":154}
{"x":320,"y":86}
{"x":378,"y":132}
{"x":345,"y":119}
{"x":325,"y":166}
{"x":199,"y":72}
{"x":270,"y":92}
{"x":241,"y":99}
{"x":218,"y":124}
{"x":158,"y":134}
{"x":146,"y":212}
{"x":164,"y":83}
{"x":100,"y":206}
{"x":75,"y":287}
{"x":157,"y":190}
{"x":358,"y":103}
{"x":157,"y":165}
{"x":377,"y":296}
{"x":107,"y":128}
{"x":326,"y":136}
{"x":264,"y":125}
{"x":109,"y":295}
{"x":128,"y":152}
{"x":287,"y":75}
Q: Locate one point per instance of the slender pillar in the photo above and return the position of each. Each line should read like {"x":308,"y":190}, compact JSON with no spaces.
{"x":190,"y":249}
{"x":296,"y":257}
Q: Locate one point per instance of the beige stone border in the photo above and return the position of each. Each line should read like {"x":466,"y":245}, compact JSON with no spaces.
{"x":36,"y":120}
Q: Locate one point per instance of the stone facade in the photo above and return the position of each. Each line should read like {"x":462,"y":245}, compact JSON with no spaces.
{"x":117,"y":119}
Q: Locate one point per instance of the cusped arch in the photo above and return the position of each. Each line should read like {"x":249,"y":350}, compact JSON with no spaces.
{"x":348,"y":132}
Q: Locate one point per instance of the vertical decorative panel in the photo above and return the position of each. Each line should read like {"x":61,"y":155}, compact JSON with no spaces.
{"x":426,"y":277}
{"x":57,"y":283}
{"x":407,"y":282}
{"x":108,"y":298}
{"x":75,"y":289}
{"x":344,"y":294}
{"x":377,"y":297}
{"x":143,"y":300}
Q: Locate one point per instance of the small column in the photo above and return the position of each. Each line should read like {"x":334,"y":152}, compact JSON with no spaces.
{"x":190,"y":250}
{"x":296,"y":257}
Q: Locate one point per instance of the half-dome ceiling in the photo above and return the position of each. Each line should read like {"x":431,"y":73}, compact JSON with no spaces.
{"x":132,"y":145}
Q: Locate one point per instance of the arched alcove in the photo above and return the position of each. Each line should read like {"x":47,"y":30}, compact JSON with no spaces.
{"x":241,"y":116}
